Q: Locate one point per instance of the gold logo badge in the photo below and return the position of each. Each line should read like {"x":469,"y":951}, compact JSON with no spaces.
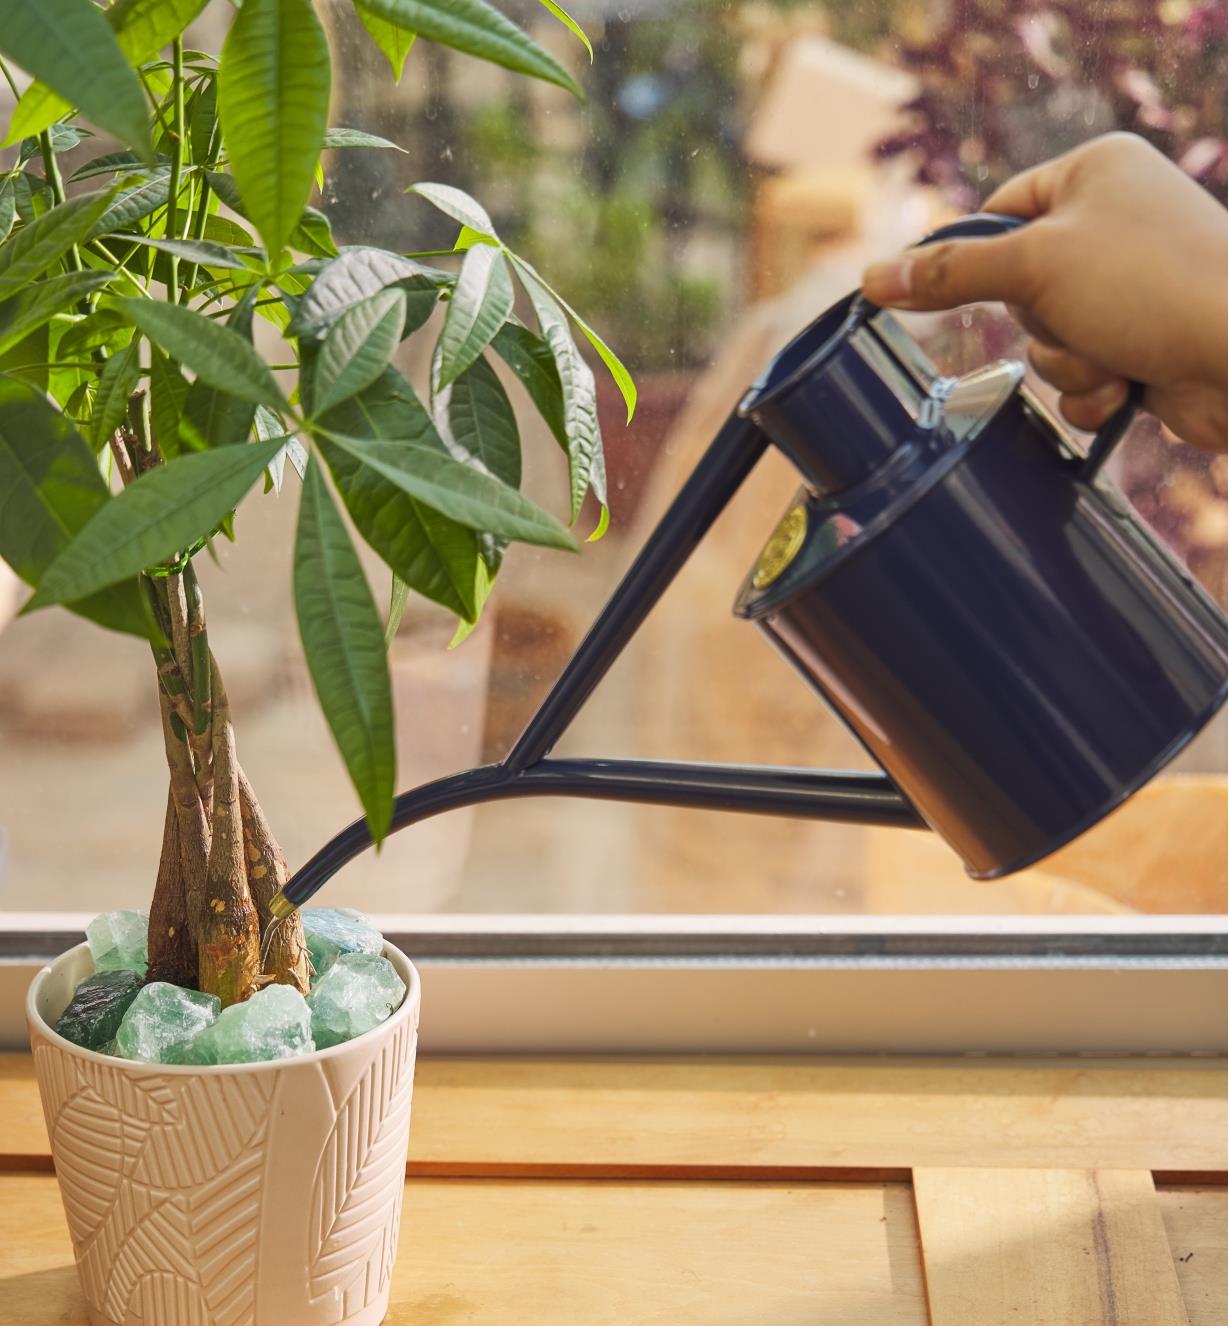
{"x":782,"y":547}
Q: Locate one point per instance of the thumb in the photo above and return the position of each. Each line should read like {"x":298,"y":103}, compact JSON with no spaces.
{"x":952,"y":272}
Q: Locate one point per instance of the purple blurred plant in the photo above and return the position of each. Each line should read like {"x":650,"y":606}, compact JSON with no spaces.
{"x":1007,"y":83}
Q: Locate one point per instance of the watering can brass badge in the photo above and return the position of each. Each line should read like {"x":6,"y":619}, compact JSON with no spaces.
{"x":955,"y":579}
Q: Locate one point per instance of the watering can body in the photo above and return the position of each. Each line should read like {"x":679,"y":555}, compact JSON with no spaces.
{"x":957,"y":581}
{"x":987,"y":614}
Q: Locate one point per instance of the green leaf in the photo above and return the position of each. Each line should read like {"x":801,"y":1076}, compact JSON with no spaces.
{"x":343,"y":641}
{"x":603,"y":524}
{"x":214,"y":418}
{"x":394,"y":41}
{"x":586,"y":467}
{"x":108,"y":164}
{"x":474,"y":27}
{"x":157,"y":516}
{"x":397,"y":599}
{"x":455,"y":489}
{"x":481,"y":302}
{"x":354,"y":275}
{"x":203,"y":121}
{"x":622,"y":378}
{"x":313,"y":235}
{"x":457,"y":204}
{"x":144,"y":27}
{"x":8,"y":207}
{"x":117,"y":382}
{"x":98,"y":329}
{"x":335,"y":138}
{"x":477,"y":424}
{"x":530,"y":358}
{"x":358,"y":348}
{"x":42,"y":243}
{"x":69,"y":45}
{"x":273,"y":96}
{"x":437,"y":557}
{"x":216,"y":354}
{"x":570,"y":23}
{"x":40,"y":302}
{"x":201,"y":251}
{"x":138,"y":197}
{"x":141,"y":27}
{"x":29,"y":360}
{"x":37,"y":109}
{"x":50,"y":489}
{"x":168,"y":393}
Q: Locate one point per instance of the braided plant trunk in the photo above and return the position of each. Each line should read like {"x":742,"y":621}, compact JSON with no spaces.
{"x":220,"y":864}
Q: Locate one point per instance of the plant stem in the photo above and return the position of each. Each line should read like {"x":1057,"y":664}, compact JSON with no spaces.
{"x":8,"y":78}
{"x":229,"y":950}
{"x":51,"y":172}
{"x":198,"y":643}
{"x":177,"y":142}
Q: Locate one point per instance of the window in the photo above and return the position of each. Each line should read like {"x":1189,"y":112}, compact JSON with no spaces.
{"x":733,"y":169}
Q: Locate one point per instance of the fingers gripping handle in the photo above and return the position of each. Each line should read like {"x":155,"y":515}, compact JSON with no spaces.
{"x":983,"y":224}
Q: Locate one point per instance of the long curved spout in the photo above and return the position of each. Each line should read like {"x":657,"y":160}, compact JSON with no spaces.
{"x":851,"y":798}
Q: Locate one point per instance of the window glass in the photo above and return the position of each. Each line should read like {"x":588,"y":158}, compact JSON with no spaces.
{"x":733,"y":168}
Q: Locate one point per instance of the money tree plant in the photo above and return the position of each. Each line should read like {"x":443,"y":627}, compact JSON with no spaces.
{"x":138,"y":409}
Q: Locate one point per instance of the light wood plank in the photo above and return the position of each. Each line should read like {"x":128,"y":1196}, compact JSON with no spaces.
{"x":811,"y":1118}
{"x":1046,"y":1247}
{"x":1195,"y":1223}
{"x":562,"y":1254}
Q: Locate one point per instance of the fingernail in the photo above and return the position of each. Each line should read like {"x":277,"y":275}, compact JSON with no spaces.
{"x":886,"y":282}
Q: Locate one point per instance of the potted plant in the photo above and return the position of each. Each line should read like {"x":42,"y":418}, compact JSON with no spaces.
{"x":138,"y":410}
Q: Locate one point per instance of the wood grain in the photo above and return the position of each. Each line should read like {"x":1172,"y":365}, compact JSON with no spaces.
{"x":1046,"y":1247}
{"x":1195,"y":1223}
{"x":812,"y":1118}
{"x":560,"y":1254}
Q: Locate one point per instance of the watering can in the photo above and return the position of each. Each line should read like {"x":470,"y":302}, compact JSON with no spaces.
{"x":955,"y":579}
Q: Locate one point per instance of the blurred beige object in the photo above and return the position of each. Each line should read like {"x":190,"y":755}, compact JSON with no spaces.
{"x":711,"y":688}
{"x":825,"y":106}
{"x":9,"y":588}
{"x":1163,"y":851}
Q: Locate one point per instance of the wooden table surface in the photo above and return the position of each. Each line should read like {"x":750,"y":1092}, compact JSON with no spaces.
{"x":751,"y":1193}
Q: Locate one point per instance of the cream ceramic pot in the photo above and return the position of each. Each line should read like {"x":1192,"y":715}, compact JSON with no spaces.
{"x":238,"y":1195}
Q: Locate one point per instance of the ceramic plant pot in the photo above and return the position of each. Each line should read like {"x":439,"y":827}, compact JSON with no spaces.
{"x":237,"y":1195}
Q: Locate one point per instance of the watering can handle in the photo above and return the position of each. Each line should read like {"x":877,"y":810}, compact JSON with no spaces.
{"x":981,"y":224}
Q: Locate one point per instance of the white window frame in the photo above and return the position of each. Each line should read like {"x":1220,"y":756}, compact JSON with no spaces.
{"x":653,"y":984}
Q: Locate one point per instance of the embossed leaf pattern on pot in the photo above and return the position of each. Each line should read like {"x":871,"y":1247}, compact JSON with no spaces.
{"x":358,"y":1185}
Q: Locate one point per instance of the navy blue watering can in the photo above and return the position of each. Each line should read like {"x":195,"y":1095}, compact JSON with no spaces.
{"x":988,"y":616}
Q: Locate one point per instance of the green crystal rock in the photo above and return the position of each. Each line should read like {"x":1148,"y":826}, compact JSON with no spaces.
{"x":275,"y":1023}
{"x":97,"y":1007}
{"x":118,"y":941}
{"x":161,"y":1016}
{"x":332,"y":931}
{"x":357,"y":993}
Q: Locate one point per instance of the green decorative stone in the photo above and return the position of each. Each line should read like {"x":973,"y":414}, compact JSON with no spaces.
{"x":275,"y":1023}
{"x":118,"y":941}
{"x":357,"y":993}
{"x":97,"y":1008}
{"x":332,"y":931}
{"x":160,"y":1016}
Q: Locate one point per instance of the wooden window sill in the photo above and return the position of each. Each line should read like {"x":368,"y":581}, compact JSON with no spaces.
{"x":867,"y":1192}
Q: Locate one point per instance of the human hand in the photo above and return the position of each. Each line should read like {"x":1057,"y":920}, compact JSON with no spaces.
{"x":1120,"y":274}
